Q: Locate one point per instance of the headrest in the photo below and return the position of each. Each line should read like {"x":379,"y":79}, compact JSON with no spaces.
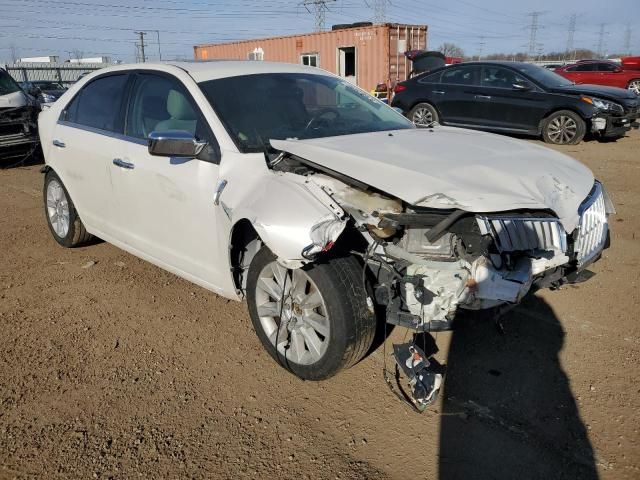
{"x":178,"y":106}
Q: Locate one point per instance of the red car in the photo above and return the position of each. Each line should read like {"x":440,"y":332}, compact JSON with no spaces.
{"x":603,"y":72}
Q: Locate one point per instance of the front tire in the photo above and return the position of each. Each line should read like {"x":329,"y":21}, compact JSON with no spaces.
{"x":563,"y":128}
{"x":424,"y":115}
{"x":63,"y":219}
{"x":314,"y":321}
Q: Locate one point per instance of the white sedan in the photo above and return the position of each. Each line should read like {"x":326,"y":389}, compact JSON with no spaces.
{"x":321,"y":206}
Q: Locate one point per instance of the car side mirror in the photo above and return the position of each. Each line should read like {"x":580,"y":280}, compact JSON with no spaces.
{"x":522,"y":86}
{"x":174,"y":143}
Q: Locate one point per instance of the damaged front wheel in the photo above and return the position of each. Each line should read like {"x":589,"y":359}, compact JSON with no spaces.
{"x":313,"y":321}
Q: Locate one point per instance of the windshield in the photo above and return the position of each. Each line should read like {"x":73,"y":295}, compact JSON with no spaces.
{"x":257,"y":108}
{"x":544,"y":76}
{"x":7,"y":84}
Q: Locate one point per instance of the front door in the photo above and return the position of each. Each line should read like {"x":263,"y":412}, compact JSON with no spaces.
{"x":506,"y":106}
{"x":167,"y":203}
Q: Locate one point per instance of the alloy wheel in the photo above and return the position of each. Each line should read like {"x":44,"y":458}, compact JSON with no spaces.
{"x":422,"y":117}
{"x":634,"y":86}
{"x":562,"y":129}
{"x":293,"y":313}
{"x":58,"y":208}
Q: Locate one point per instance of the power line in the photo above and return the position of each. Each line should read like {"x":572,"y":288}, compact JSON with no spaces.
{"x":319,"y":8}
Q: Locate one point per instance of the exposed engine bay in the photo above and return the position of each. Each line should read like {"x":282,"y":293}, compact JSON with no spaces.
{"x":426,"y":263}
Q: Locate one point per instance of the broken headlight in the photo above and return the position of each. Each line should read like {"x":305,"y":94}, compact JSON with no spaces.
{"x":323,"y":235}
{"x":415,"y":241}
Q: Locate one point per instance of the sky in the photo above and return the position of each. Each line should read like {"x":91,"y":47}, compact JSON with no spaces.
{"x":107,"y":27}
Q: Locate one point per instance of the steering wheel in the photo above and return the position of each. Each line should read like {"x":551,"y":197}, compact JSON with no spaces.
{"x":317,"y":120}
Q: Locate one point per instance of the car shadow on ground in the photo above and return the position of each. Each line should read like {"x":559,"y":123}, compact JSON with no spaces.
{"x":508,"y":409}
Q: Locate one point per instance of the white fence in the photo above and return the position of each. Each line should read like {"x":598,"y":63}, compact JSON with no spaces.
{"x":65,"y":73}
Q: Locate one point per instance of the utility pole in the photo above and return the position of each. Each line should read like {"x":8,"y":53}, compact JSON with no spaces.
{"x":319,"y":8}
{"x":533,"y":33}
{"x":571,"y":33}
{"x":601,"y":34}
{"x":141,"y":45}
{"x":627,"y":39}
{"x":481,"y":45}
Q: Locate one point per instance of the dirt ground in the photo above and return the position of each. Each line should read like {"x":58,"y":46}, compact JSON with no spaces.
{"x":113,"y":368}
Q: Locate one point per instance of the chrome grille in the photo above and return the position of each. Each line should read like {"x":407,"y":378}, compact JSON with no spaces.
{"x":521,"y":233}
{"x":593,"y":228}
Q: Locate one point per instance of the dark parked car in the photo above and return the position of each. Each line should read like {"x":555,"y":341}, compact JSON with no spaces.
{"x":514,"y":97}
{"x":46,"y":91}
{"x":18,"y":120}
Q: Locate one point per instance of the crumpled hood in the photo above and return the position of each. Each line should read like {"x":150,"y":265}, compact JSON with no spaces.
{"x":448,"y":167}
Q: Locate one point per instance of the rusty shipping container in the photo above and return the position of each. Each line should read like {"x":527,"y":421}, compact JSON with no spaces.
{"x":364,"y":55}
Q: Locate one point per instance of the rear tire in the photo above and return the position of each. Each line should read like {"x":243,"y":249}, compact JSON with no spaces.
{"x":563,"y":127}
{"x":322,"y":324}
{"x":634,"y":86}
{"x":424,"y":114}
{"x":63,"y":219}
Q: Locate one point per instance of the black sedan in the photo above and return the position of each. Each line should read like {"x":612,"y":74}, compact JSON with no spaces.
{"x":514,"y":97}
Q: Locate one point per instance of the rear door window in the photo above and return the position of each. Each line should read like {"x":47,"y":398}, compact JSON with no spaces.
{"x":7,"y":84}
{"x":98,"y":105}
{"x":468,"y":75}
{"x":606,"y":67}
{"x":585,"y":67}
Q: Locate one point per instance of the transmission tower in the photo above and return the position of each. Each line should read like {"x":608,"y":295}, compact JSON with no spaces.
{"x":627,"y":39}
{"x":533,"y":32}
{"x":379,"y":9}
{"x":601,"y":35}
{"x":319,"y":9}
{"x":571,"y":33}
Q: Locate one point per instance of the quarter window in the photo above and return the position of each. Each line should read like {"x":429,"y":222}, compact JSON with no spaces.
{"x":98,"y":104}
{"x":310,"y":60}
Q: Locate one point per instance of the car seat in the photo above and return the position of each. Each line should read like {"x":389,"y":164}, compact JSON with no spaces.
{"x":181,"y":114}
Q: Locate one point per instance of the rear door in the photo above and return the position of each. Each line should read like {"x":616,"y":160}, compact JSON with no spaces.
{"x":168,"y":211}
{"x":456,"y":95}
{"x":86,"y":138}
{"x":506,"y":106}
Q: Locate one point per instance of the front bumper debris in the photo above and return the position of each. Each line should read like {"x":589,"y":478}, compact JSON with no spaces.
{"x":614,"y":126}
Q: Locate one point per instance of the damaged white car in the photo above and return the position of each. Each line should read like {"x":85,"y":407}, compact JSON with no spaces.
{"x":321,"y":206}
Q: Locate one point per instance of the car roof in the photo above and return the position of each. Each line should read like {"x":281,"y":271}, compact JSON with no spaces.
{"x":202,"y":71}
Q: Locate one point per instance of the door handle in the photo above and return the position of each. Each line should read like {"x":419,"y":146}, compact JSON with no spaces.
{"x":219,"y":188}
{"x":483,"y":97}
{"x":122,"y":164}
{"x":58,"y":143}
{"x":438,"y":92}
